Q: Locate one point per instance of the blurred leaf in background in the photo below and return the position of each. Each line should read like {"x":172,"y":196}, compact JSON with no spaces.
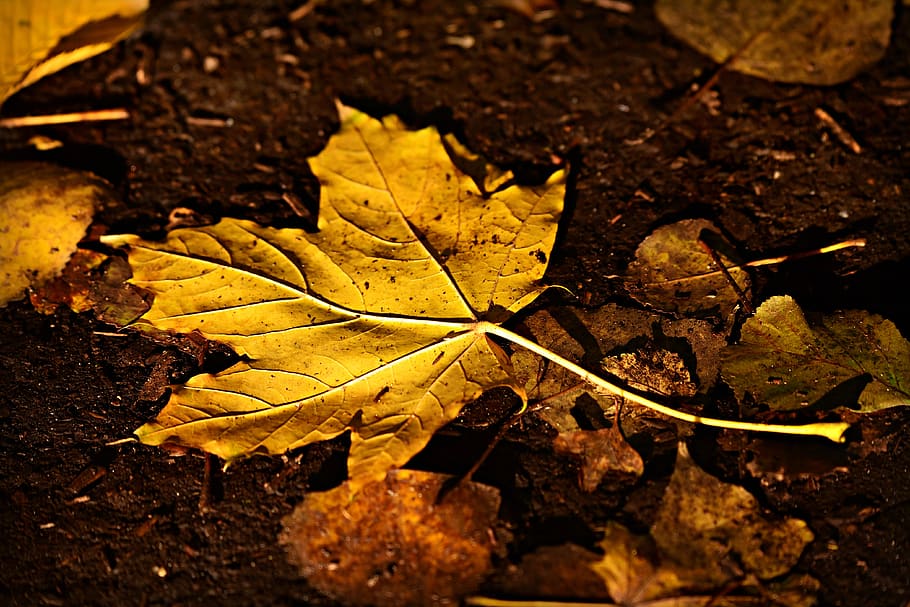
{"x":40,"y":37}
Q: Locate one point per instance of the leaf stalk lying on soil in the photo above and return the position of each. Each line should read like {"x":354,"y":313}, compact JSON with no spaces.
{"x":831,"y":430}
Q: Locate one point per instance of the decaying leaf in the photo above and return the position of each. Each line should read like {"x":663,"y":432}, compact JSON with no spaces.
{"x":390,"y":543}
{"x":44,"y":212}
{"x":708,"y":537}
{"x":787,"y":363}
{"x":806,"y":41}
{"x":374,"y":324}
{"x":601,"y":452}
{"x":43,"y":37}
{"x":611,"y":337}
{"x":711,"y":544}
{"x":718,"y":531}
{"x":673,"y":272}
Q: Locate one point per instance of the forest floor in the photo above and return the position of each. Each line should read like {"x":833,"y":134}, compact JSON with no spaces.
{"x":228,"y":99}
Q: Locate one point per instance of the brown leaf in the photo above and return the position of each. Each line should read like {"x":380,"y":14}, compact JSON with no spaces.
{"x":807,"y":41}
{"x":391,"y":544}
{"x":601,"y":452}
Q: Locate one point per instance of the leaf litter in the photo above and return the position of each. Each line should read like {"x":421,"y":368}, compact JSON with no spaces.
{"x":711,"y":544}
{"x":379,"y":324}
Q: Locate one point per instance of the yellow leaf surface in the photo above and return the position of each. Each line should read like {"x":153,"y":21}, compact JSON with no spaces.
{"x":375,"y":323}
{"x":44,"y":213}
{"x":38,"y":37}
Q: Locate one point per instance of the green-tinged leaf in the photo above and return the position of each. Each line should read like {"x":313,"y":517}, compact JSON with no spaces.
{"x":806,"y":41}
{"x":41,"y":37}
{"x":674,"y":273}
{"x":392,"y":543}
{"x":787,"y":363}
{"x":44,"y":212}
{"x":370,"y":324}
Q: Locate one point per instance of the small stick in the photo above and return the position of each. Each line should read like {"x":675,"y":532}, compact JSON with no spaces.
{"x":743,"y":299}
{"x":839,"y":131}
{"x":302,"y":11}
{"x":90,"y":116}
{"x":214,"y":122}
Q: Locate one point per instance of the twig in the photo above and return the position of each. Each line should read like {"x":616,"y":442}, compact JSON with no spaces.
{"x":743,"y":298}
{"x":302,"y":11}
{"x":90,"y":116}
{"x":839,"y":131}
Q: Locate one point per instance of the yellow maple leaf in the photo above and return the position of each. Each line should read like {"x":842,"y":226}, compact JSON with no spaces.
{"x":377,"y":323}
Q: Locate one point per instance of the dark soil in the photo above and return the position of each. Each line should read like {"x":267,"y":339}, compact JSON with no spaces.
{"x":88,"y":524}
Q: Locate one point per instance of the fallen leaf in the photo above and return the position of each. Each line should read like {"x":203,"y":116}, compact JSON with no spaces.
{"x":601,"y":452}
{"x":549,"y":572}
{"x":44,"y":37}
{"x":783,"y":361}
{"x":652,"y":369}
{"x":375,"y":324}
{"x":710,"y":544}
{"x":672,"y":272}
{"x":805,"y":41}
{"x":390,"y":543}
{"x":44,"y":212}
{"x":718,"y":532}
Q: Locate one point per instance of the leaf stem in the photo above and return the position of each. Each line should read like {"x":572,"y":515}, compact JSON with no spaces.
{"x":831,"y":430}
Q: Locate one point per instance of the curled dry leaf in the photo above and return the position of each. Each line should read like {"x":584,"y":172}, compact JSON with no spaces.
{"x":377,"y":323}
{"x":391,"y":544}
{"x":846,"y":358}
{"x":674,"y":273}
{"x":42,"y":37}
{"x":44,"y":212}
{"x":805,"y":41}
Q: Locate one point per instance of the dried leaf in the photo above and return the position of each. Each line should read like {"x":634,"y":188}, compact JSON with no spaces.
{"x":718,"y":531}
{"x":605,"y":338}
{"x":601,"y":452}
{"x":783,"y":361}
{"x":390,"y":543}
{"x":708,"y":536}
{"x":673,"y":272}
{"x":44,"y":212}
{"x":44,"y":37}
{"x":374,"y":324}
{"x":805,"y":41}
